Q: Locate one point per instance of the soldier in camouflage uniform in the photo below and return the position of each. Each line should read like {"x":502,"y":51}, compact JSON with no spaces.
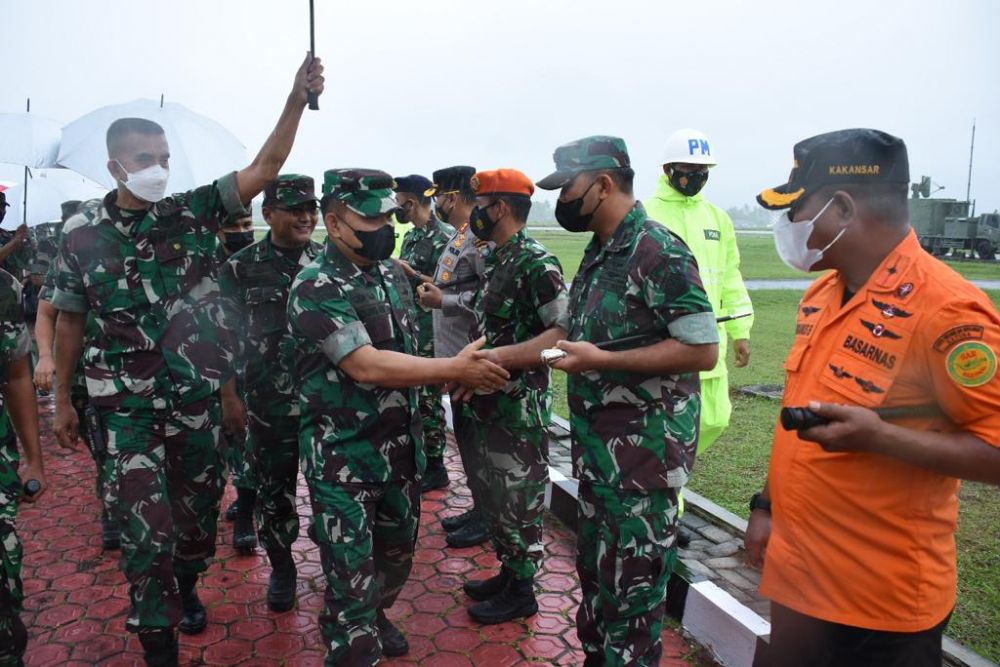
{"x":256,"y":282}
{"x":352,"y":314}
{"x":419,"y":256}
{"x":634,"y":412}
{"x":18,"y":412}
{"x":235,"y":234}
{"x":144,"y":265}
{"x":15,"y":247}
{"x":459,"y":276}
{"x":521,"y":311}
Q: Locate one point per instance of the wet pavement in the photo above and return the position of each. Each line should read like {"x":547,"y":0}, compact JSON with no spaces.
{"x":76,"y":599}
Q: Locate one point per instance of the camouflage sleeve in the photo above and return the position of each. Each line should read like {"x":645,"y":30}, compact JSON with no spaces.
{"x":320,"y":312}
{"x":210,"y":204}
{"x":69,"y":292}
{"x":672,"y":289}
{"x":49,"y":284}
{"x":232,"y":304}
{"x":548,"y":292}
{"x":14,"y":340}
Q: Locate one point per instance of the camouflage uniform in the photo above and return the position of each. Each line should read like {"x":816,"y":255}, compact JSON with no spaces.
{"x":13,"y":346}
{"x":422,"y":248}
{"x":359,"y":443}
{"x":256,"y":281}
{"x":153,"y":368}
{"x":634,"y":436}
{"x":525,"y":295}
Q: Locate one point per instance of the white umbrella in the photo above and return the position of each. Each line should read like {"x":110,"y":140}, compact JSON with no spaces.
{"x":47,"y":190}
{"x":201,"y":149}
{"x":29,"y":140}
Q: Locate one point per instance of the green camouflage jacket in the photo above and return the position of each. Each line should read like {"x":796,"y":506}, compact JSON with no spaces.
{"x":635,"y":431}
{"x":422,"y":249}
{"x":14,"y":345}
{"x":351,"y":432}
{"x":525,"y":294}
{"x":255,"y":283}
{"x":149,"y":279}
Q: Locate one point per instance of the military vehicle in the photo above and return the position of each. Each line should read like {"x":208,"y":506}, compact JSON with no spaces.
{"x":944,"y":225}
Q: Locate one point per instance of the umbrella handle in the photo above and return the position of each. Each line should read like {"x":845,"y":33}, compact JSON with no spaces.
{"x":313,"y":97}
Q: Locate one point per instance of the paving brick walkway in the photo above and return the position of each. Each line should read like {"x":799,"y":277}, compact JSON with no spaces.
{"x":76,"y":599}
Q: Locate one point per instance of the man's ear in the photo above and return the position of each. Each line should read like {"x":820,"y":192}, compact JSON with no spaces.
{"x":117,"y":171}
{"x":845,"y":205}
{"x":332,"y":224}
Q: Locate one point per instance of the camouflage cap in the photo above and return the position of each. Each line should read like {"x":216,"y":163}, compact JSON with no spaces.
{"x":290,"y":190}
{"x":367,"y":192}
{"x":587,"y":154}
{"x":39,"y":267}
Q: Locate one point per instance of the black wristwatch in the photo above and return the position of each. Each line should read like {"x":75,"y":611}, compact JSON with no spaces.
{"x":757,"y":502}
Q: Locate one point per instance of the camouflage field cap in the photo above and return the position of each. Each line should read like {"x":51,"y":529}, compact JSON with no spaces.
{"x":587,"y":154}
{"x":290,"y":190}
{"x":451,"y":179}
{"x":39,"y":267}
{"x":367,"y":192}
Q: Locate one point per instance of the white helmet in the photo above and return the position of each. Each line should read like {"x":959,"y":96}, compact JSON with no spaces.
{"x":690,"y":146}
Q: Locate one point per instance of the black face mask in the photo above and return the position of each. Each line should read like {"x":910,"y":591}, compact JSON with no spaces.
{"x":403,"y":215}
{"x":235,"y":241}
{"x":568,"y":213}
{"x":481,"y":224}
{"x":377,"y":245}
{"x":693,"y":181}
{"x":441,"y":214}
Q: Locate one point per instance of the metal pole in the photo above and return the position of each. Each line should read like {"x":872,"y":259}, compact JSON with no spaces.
{"x":972,"y":146}
{"x":313,"y":97}
{"x":24,"y":204}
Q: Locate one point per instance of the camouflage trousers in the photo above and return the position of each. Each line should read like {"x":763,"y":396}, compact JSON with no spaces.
{"x":626,"y":550}
{"x":432,"y":415}
{"x":103,"y":488}
{"x":472,"y":454}
{"x":168,"y":475}
{"x":237,"y":457}
{"x":274,"y":453}
{"x":516,"y":463}
{"x":13,"y":635}
{"x":366,"y":535}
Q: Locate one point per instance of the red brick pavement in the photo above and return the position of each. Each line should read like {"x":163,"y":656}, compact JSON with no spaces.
{"x":76,"y":599}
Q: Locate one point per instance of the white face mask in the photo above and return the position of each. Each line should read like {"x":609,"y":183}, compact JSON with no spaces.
{"x":791,"y":239}
{"x":149,"y":184}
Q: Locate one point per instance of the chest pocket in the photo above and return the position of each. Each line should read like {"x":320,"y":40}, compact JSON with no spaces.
{"x":377,"y":319}
{"x":497,"y":306}
{"x":107,"y":287}
{"x":177,"y":263}
{"x":266,"y":309}
{"x":421,"y":255}
{"x":867,"y":359}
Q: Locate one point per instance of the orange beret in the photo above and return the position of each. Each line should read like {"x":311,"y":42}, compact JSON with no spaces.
{"x":502,"y":182}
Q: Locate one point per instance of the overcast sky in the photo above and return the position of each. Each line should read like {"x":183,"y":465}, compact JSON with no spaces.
{"x":414,"y":86}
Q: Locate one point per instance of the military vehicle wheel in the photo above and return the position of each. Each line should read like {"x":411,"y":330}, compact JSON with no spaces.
{"x":985,"y":250}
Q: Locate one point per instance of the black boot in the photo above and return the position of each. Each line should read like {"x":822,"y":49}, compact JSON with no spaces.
{"x":159,"y":648}
{"x":453,"y":523}
{"x":281,"y":586}
{"x":487,"y":588}
{"x":244,"y":537}
{"x":111,"y":534}
{"x":435,"y":476}
{"x":472,"y":533}
{"x":393,"y":642}
{"x":195,"y":618}
{"x":684,"y":537}
{"x":233,"y":508}
{"x":515,"y":601}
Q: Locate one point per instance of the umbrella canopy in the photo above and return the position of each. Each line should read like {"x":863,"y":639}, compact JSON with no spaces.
{"x":29,"y":140}
{"x":201,"y":149}
{"x":47,"y":190}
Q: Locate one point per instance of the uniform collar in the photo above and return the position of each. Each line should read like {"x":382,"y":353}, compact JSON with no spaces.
{"x":627,"y":230}
{"x":891,"y":273}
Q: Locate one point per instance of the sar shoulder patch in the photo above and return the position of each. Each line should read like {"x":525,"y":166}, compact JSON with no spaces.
{"x":971,"y":364}
{"x":956,"y":335}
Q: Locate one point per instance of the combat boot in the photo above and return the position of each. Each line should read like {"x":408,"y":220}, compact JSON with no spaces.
{"x":435,"y":476}
{"x":244,"y":537}
{"x":484,"y":589}
{"x":515,"y":601}
{"x":472,"y":533}
{"x":195,"y":618}
{"x":453,"y":523}
{"x":393,"y":642}
{"x":111,"y":534}
{"x":281,"y":585}
{"x":159,"y":648}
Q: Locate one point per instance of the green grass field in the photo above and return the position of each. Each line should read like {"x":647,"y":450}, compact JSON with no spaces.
{"x":736,"y":465}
